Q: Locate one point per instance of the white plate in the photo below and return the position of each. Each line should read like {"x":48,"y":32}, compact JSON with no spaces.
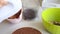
{"x":12,"y":8}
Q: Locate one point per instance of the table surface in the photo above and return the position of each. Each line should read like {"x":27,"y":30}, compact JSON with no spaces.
{"x":7,"y":28}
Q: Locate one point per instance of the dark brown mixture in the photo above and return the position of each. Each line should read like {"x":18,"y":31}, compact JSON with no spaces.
{"x":56,"y":23}
{"x":29,"y":14}
{"x":26,"y":30}
{"x":15,"y":16}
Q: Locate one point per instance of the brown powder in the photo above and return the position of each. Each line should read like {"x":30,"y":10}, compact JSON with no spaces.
{"x":15,"y":16}
{"x":26,"y":30}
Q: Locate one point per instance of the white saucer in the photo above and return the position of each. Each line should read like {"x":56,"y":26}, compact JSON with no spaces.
{"x":12,"y":8}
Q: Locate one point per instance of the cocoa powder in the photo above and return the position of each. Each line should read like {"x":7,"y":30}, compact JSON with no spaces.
{"x":16,"y":15}
{"x":26,"y":30}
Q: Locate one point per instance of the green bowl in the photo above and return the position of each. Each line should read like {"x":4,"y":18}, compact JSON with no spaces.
{"x":49,"y":15}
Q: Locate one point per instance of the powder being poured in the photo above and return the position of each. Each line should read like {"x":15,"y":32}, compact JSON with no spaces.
{"x":26,"y":30}
{"x":3,"y":3}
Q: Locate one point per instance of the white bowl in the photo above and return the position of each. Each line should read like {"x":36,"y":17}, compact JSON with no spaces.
{"x":16,"y":20}
{"x":12,"y":8}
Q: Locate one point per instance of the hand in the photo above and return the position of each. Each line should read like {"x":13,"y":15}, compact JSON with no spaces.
{"x":3,"y":3}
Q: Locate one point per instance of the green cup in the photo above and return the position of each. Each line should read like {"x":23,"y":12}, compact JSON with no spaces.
{"x":49,"y":15}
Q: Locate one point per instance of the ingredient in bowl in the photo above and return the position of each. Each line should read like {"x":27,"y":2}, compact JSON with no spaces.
{"x":15,"y":16}
{"x":56,"y":23}
{"x":29,"y":14}
{"x":26,"y":30}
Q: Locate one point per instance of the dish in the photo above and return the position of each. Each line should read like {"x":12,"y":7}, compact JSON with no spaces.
{"x":12,"y":8}
{"x":16,"y":18}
